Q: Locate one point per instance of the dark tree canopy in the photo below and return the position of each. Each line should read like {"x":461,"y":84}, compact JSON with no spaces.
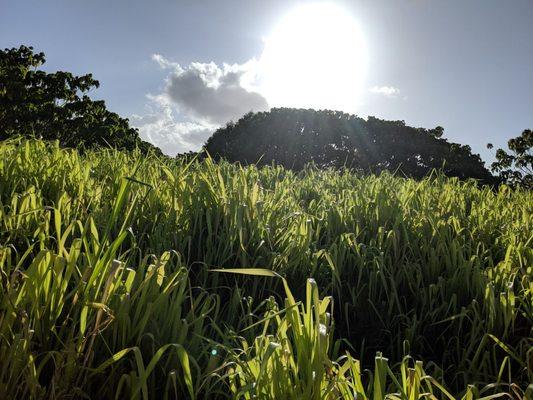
{"x":295,"y":137}
{"x":516,"y":167}
{"x":35,"y":103}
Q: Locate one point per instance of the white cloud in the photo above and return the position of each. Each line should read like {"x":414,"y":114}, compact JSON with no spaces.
{"x":160,"y":127}
{"x":195,"y":101}
{"x":163,"y":62}
{"x":387,"y":91}
{"x":212,"y":94}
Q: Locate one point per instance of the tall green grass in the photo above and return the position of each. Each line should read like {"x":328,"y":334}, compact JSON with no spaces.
{"x":111,"y":284}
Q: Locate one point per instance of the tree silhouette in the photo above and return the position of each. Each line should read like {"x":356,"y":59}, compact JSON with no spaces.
{"x":516,"y":168}
{"x":295,"y":137}
{"x":56,"y":106}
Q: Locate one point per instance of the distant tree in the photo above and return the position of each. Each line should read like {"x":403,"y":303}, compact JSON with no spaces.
{"x":55,"y":105}
{"x":516,"y":167}
{"x":190,"y":156}
{"x":294,"y":137}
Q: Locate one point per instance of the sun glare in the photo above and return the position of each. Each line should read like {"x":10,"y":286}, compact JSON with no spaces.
{"x":316,"y":58}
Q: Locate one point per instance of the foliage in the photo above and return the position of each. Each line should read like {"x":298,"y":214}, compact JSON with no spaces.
{"x":294,"y":362}
{"x":295,"y":137}
{"x":56,"y":106}
{"x":516,"y":168}
{"x":437,"y":269}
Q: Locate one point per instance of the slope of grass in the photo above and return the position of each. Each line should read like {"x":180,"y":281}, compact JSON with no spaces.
{"x":108,"y":290}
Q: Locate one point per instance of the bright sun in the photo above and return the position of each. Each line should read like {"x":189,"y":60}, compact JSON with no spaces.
{"x":315,"y":58}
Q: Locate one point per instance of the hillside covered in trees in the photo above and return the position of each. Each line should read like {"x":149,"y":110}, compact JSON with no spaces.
{"x":295,"y":137}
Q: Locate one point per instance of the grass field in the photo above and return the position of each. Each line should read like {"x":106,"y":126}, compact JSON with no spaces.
{"x":338,"y":286}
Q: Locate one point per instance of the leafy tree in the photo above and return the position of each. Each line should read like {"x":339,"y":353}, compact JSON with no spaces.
{"x":56,"y":106}
{"x":294,"y":137}
{"x":516,"y":167}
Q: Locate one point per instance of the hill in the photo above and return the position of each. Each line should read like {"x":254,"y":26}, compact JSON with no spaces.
{"x":294,"y":137}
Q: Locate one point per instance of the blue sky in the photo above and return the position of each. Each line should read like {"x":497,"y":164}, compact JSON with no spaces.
{"x":178,"y":69}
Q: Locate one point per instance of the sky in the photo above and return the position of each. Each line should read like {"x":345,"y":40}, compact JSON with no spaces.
{"x":178,"y":69}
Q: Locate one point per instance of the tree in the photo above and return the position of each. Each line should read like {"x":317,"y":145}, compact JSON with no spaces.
{"x":295,"y":137}
{"x":34,"y":103}
{"x":516,"y":167}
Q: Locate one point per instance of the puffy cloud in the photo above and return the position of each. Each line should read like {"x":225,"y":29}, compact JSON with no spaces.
{"x":212,"y":94}
{"x":195,"y":101}
{"x":160,"y":127}
{"x":387,"y":91}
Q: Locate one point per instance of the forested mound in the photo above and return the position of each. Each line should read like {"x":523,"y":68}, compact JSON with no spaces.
{"x":294,"y":137}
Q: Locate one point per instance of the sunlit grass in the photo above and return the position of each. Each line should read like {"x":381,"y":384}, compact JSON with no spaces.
{"x":108,"y":288}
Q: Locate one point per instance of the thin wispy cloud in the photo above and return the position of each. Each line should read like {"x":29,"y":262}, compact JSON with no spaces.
{"x":164,"y":63}
{"x":387,"y":91}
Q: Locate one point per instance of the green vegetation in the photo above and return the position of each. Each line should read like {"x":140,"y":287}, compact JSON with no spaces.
{"x":516,"y":167}
{"x":111,"y":284}
{"x":295,"y":137}
{"x":35,"y":103}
